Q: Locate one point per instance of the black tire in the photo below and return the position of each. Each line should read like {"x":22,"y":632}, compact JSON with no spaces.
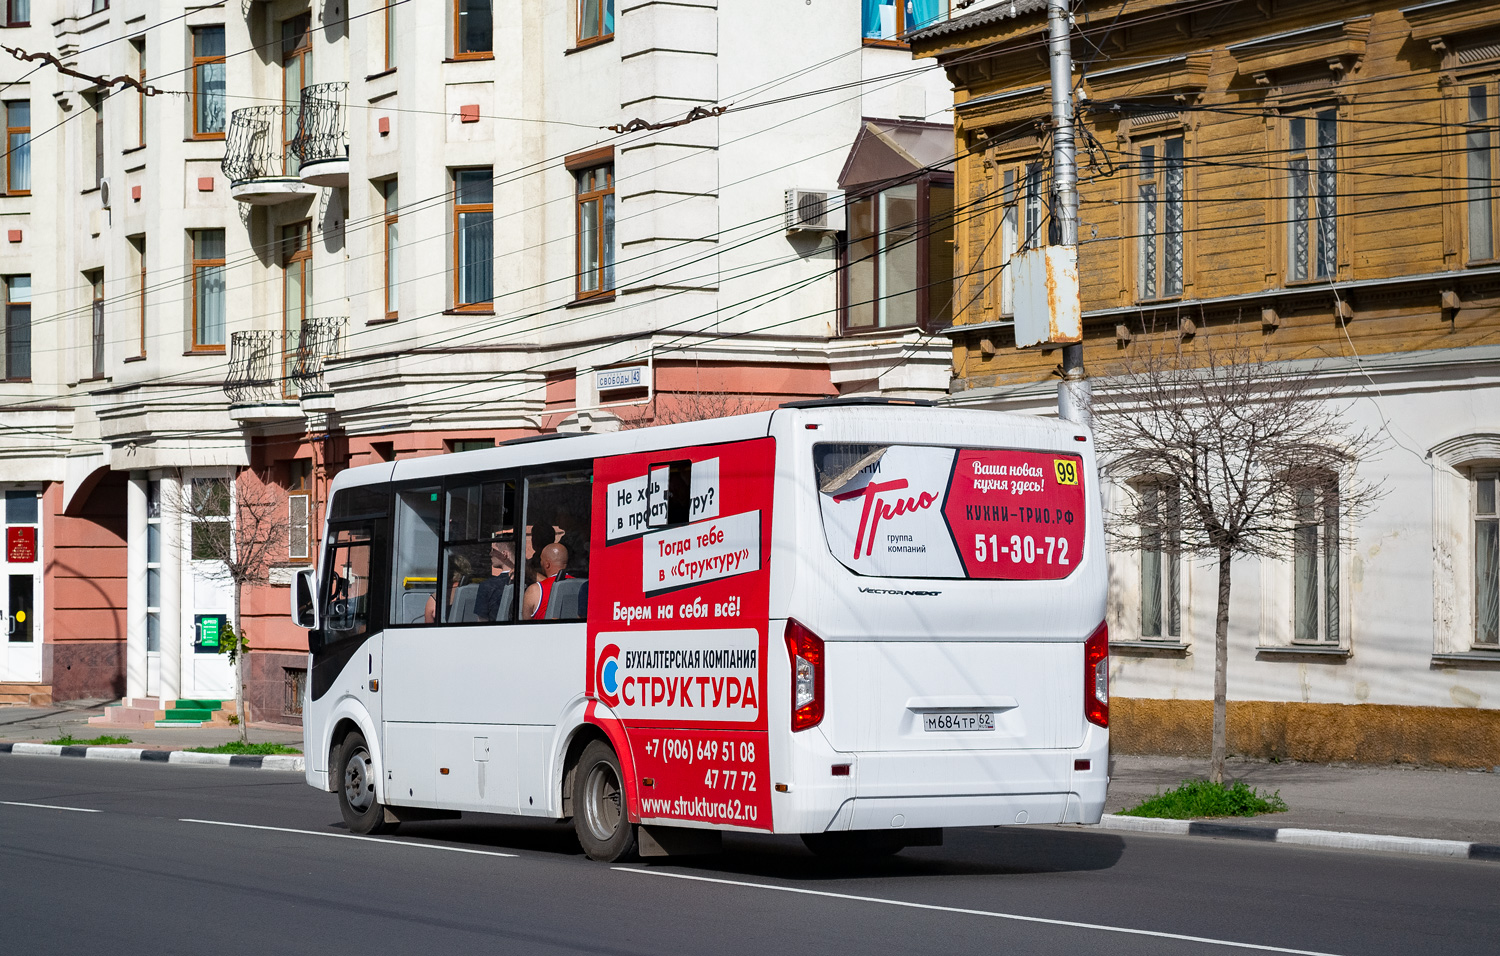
{"x":600,"y":817}
{"x":854,"y":844}
{"x":355,"y":783}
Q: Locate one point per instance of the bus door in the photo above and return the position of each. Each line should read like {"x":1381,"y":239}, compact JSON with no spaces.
{"x":678,"y":629}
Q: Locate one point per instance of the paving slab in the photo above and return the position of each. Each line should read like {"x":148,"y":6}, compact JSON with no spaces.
{"x":40,"y":724}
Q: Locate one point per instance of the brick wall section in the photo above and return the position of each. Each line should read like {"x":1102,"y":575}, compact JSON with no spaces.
{"x":84,"y":555}
{"x":265,"y":684}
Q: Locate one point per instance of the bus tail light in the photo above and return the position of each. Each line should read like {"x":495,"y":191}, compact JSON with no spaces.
{"x":1096,"y":676}
{"x":806,"y":650}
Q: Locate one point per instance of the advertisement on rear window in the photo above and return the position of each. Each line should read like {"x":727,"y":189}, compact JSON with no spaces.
{"x":923,"y":511}
{"x":677,"y":626}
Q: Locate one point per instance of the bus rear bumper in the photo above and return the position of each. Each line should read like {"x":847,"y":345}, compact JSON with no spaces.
{"x":887,"y":813}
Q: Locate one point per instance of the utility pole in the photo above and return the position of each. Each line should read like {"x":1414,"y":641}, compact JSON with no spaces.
{"x":1072,"y":392}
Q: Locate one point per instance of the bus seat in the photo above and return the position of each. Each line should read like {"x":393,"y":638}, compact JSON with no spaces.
{"x":565,"y":602}
{"x":414,"y":604}
{"x":463,"y":603}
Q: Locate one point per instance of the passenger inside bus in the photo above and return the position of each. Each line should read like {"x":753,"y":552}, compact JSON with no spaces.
{"x":496,"y":594}
{"x":459,"y":571}
{"x":554,"y":596}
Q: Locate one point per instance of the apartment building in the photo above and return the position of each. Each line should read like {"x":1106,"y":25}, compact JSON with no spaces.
{"x":271,"y":240}
{"x":1315,"y":178}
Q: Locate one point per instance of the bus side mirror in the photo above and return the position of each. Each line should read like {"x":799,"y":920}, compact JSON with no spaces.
{"x":304,"y":608}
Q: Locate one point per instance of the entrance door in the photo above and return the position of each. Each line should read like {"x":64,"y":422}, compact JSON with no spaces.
{"x":207,"y":594}
{"x":21,"y":588}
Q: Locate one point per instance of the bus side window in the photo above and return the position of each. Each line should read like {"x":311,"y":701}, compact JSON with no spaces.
{"x":347,"y":592}
{"x":479,"y":553}
{"x":418,"y":518}
{"x":558,"y":524}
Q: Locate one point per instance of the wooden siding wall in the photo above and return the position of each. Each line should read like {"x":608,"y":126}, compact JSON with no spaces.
{"x":1399,"y":90}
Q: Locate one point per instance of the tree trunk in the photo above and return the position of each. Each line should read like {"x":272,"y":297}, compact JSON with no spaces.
{"x":239,"y":671}
{"x":1221,"y":676}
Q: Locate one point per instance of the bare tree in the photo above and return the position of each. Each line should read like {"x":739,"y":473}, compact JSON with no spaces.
{"x":243,"y":526}
{"x":697,"y":406}
{"x":1229,"y":456}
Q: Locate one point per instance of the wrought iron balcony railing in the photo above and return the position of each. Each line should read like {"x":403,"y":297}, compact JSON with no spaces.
{"x":269,"y":367}
{"x":322,"y":123}
{"x":255,"y":146}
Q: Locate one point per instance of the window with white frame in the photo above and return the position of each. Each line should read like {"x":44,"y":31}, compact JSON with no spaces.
{"x":1159,"y":205}
{"x":1161,"y":560}
{"x":1315,"y":564}
{"x":1312,"y":195}
{"x":1021,"y":222}
{"x":1486,"y":560}
{"x":153,"y":567}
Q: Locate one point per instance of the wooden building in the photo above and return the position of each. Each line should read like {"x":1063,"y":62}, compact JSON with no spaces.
{"x":1315,"y":177}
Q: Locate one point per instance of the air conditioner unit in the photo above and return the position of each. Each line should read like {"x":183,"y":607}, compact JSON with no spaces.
{"x":104,"y":192}
{"x":814,"y":210}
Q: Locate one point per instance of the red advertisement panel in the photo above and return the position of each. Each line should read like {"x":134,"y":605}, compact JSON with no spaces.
{"x":1017,"y":515}
{"x":678,"y":599}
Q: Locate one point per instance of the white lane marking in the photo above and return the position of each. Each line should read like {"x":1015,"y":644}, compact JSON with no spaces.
{"x":46,"y":806}
{"x":967,"y":912}
{"x":350,"y":836}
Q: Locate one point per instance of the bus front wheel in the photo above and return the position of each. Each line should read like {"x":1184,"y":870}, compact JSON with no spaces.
{"x":600,"y":816}
{"x":356,"y":786}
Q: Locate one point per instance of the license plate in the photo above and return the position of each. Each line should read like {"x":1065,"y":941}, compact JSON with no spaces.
{"x":941,"y":723}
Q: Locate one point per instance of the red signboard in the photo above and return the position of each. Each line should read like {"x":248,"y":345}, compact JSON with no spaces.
{"x":678,"y":599}
{"x":20,"y":545}
{"x":1017,"y":515}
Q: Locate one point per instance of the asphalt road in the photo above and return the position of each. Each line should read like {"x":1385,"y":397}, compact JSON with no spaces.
{"x":200,"y":860}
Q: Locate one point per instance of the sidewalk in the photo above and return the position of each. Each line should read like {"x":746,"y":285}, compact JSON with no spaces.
{"x":1394,"y":800}
{"x":40,"y":724}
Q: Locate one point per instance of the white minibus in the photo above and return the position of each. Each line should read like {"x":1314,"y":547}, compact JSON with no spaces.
{"x":858,"y":621}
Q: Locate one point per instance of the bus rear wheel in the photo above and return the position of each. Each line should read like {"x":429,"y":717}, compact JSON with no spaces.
{"x":356,"y":787}
{"x":600,"y":816}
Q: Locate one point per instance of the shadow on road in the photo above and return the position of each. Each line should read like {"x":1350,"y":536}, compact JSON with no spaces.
{"x":997,"y":851}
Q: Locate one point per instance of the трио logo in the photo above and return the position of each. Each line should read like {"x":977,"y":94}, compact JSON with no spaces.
{"x":607,"y":675}
{"x":878,"y":508}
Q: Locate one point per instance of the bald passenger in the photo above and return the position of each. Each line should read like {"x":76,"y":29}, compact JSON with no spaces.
{"x":553,"y":562}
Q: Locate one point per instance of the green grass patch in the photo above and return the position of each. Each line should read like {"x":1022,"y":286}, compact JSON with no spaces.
{"x":238,"y":747}
{"x":71,"y":741}
{"x":1199,"y":798}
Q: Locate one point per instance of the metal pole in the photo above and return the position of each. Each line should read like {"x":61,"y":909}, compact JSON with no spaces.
{"x":1072,"y":392}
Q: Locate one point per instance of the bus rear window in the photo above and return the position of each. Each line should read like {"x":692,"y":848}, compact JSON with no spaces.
{"x":929,"y":511}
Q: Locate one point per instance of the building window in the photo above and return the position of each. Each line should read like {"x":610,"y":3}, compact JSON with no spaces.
{"x":138,"y":47}
{"x":1021,"y":219}
{"x":1486,"y":560}
{"x":299,"y":508}
{"x":18,"y":13}
{"x":18,"y":328}
{"x":596,"y":230}
{"x":153,"y":567}
{"x":1159,"y":196}
{"x":388,"y":18}
{"x":1315,"y":584}
{"x":296,"y":296}
{"x":296,"y":72}
{"x":898,"y":261}
{"x":96,"y":104}
{"x":473,"y":29}
{"x":293,"y":689}
{"x":889,"y":20}
{"x":211,"y":534}
{"x":1161,"y":561}
{"x":18,"y":157}
{"x":98,"y":6}
{"x":208,"y":290}
{"x":96,"y":324}
{"x":1312,"y":223}
{"x":1479,"y":141}
{"x":139,"y":244}
{"x":392,"y":249}
{"x":208,"y":82}
{"x":473,"y":238}
{"x":596,"y":21}
{"x":470,"y":444}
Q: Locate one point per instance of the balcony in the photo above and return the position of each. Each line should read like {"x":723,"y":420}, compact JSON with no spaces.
{"x":259,"y":163}
{"x":322,"y":142}
{"x":276,"y":377}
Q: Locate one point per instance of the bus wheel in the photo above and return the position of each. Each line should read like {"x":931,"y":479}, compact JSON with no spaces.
{"x":599,"y":813}
{"x":854,"y":844}
{"x":362,"y":812}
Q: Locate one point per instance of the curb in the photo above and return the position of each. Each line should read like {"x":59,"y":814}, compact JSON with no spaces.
{"x":282,"y":762}
{"x":1295,"y":836}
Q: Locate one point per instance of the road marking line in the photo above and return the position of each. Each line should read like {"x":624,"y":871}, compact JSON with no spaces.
{"x":351,"y":836}
{"x":968,"y":912}
{"x":46,"y":806}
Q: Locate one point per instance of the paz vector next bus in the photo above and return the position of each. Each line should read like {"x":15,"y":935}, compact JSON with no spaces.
{"x":857,"y":622}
